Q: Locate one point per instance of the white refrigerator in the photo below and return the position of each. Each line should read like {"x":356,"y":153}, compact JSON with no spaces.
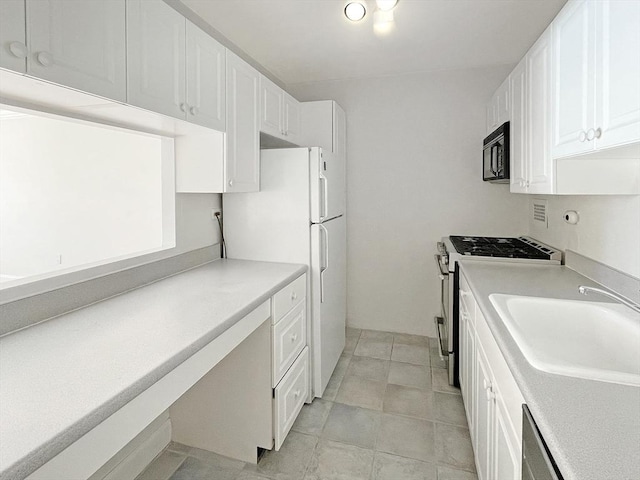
{"x":298,"y":216}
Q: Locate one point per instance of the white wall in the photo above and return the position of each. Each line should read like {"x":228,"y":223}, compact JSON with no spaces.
{"x":608,"y":230}
{"x":414,"y":175}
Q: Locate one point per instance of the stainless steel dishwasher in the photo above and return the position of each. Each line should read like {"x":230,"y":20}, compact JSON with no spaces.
{"x":537,"y":462}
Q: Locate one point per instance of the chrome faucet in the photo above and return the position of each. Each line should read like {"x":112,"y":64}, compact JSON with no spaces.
{"x":584,"y":290}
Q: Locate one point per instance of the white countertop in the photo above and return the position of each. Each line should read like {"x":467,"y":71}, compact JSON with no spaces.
{"x":61,"y":378}
{"x":592,"y":428}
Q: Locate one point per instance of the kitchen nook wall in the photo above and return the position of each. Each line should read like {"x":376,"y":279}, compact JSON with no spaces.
{"x":608,"y":229}
{"x":414,"y":149}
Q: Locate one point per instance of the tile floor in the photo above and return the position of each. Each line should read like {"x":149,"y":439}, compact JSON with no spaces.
{"x":388,"y":413}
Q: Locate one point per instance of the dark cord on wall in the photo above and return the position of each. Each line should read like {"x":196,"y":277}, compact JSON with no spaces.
{"x":223,"y":246}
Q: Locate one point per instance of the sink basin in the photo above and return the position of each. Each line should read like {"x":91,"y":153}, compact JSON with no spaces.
{"x":593,"y":340}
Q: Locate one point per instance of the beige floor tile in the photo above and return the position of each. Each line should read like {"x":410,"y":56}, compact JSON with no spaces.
{"x":409,"y":375}
{"x":392,"y":467}
{"x":361,"y":392}
{"x":406,"y":339}
{"x":353,"y":332}
{"x":377,"y":335}
{"x":337,"y":461}
{"x":416,"y":354}
{"x":448,"y":408}
{"x":350,"y":344}
{"x":290,"y":462}
{"x":406,"y":437}
{"x":440,"y":381}
{"x":367,"y":367}
{"x":163,"y":466}
{"x":312,"y":417}
{"x":371,"y":347}
{"x":447,"y":473}
{"x":196,"y":469}
{"x":410,"y":401}
{"x":454,"y":447}
{"x":352,"y":425}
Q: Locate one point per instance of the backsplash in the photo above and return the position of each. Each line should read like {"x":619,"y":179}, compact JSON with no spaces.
{"x":608,"y":229}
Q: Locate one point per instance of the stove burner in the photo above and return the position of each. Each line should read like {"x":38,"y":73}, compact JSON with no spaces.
{"x":497,"y":247}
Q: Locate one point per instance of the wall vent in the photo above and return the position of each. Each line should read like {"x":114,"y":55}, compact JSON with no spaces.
{"x":539,"y":211}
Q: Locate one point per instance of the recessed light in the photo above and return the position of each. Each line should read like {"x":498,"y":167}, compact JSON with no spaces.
{"x":355,"y":11}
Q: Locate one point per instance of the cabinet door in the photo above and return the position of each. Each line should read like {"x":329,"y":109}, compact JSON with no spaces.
{"x":470,"y":373}
{"x":79,"y":44}
{"x":291,"y":118}
{"x":502,"y":103}
{"x":483,"y":415}
{"x":340,"y":133}
{"x":618,"y":87}
{"x":242,"y":163}
{"x":156,"y":57}
{"x":13,"y":42}
{"x":574,"y":88}
{"x":538,"y":125}
{"x":518,"y":140}
{"x":506,"y":450}
{"x":206,"y":97}
{"x":271,"y":105}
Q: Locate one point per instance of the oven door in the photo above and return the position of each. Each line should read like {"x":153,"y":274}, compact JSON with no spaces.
{"x":442,"y":320}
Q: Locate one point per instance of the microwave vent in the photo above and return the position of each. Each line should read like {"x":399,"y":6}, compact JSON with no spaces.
{"x":539,"y":211}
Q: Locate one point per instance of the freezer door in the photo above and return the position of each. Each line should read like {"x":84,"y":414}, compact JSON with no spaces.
{"x":327,"y":185}
{"x":328,"y":297}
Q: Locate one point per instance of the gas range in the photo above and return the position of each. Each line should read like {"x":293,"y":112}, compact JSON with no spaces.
{"x":495,"y":249}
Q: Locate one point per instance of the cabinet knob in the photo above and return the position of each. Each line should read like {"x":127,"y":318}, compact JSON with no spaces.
{"x":183,"y":107}
{"x":582,"y":136}
{"x":591,"y":134}
{"x":490,"y":394}
{"x":296,"y":394}
{"x":294,"y":295}
{"x":231,"y":183}
{"x":527,"y":184}
{"x":18,"y":49}
{"x":44,"y":58}
{"x":294,"y":337}
{"x":598,"y":133}
{"x":194,"y":111}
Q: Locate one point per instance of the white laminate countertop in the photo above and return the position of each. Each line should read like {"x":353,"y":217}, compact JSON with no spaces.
{"x":61,"y":378}
{"x":592,"y":428}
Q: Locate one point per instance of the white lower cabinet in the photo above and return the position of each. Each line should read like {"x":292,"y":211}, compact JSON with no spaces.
{"x":290,"y":357}
{"x":492,"y":400}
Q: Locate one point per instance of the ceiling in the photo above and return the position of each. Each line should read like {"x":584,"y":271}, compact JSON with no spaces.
{"x":302,"y":41}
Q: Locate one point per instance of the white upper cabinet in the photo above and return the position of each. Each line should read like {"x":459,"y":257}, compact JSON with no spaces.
{"x":74,"y":43}
{"x":498,"y":111}
{"x":323,"y":124}
{"x":596,"y":76}
{"x":13,"y":41}
{"x":618,"y":87}
{"x":156,"y":57}
{"x":242,"y":162}
{"x":206,"y":85}
{"x":279,"y":112}
{"x":518,"y":129}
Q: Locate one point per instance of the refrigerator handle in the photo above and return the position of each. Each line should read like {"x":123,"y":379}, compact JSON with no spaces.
{"x":324,"y":264}
{"x":324,"y":204}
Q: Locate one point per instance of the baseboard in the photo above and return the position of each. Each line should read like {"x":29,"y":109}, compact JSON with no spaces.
{"x":134,"y":458}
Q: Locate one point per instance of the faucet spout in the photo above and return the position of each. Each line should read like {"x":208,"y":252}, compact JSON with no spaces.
{"x":584,"y":290}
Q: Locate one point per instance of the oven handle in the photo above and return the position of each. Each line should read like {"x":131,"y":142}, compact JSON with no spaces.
{"x":439,"y":321}
{"x":441,"y":274}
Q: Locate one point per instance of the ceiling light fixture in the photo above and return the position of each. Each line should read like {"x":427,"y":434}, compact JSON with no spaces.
{"x":386,"y":5}
{"x":383,"y":22}
{"x":355,"y":11}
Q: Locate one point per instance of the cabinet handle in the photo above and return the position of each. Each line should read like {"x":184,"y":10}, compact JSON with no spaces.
{"x":183,"y":108}
{"x":44,"y":58}
{"x":294,"y":295}
{"x":591,"y":134}
{"x":296,"y":394}
{"x":18,"y":49}
{"x":582,"y":136}
{"x":598,"y":133}
{"x":194,"y":111}
{"x":294,"y":337}
{"x":487,"y":384}
{"x":490,"y":394}
{"x":231,"y":183}
{"x":527,"y":184}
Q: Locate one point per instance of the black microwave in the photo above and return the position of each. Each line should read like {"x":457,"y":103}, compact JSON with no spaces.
{"x":495,"y":163}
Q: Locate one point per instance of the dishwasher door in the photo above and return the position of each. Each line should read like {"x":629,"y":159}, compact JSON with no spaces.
{"x":537,"y":462}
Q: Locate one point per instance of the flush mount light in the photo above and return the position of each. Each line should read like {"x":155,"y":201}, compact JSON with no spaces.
{"x":383,"y":22}
{"x":386,"y":5}
{"x":355,"y":11}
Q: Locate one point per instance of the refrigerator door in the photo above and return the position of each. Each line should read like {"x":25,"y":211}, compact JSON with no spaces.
{"x":327,"y":185}
{"x":328,"y":297}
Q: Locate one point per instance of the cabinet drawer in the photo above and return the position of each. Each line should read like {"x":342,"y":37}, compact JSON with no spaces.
{"x":288,"y":297}
{"x":289,"y":397}
{"x":289,"y":337}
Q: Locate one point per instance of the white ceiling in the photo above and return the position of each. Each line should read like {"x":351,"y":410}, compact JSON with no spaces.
{"x":302,"y":41}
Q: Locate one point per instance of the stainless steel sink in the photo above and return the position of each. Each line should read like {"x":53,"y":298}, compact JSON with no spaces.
{"x":593,"y":340}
